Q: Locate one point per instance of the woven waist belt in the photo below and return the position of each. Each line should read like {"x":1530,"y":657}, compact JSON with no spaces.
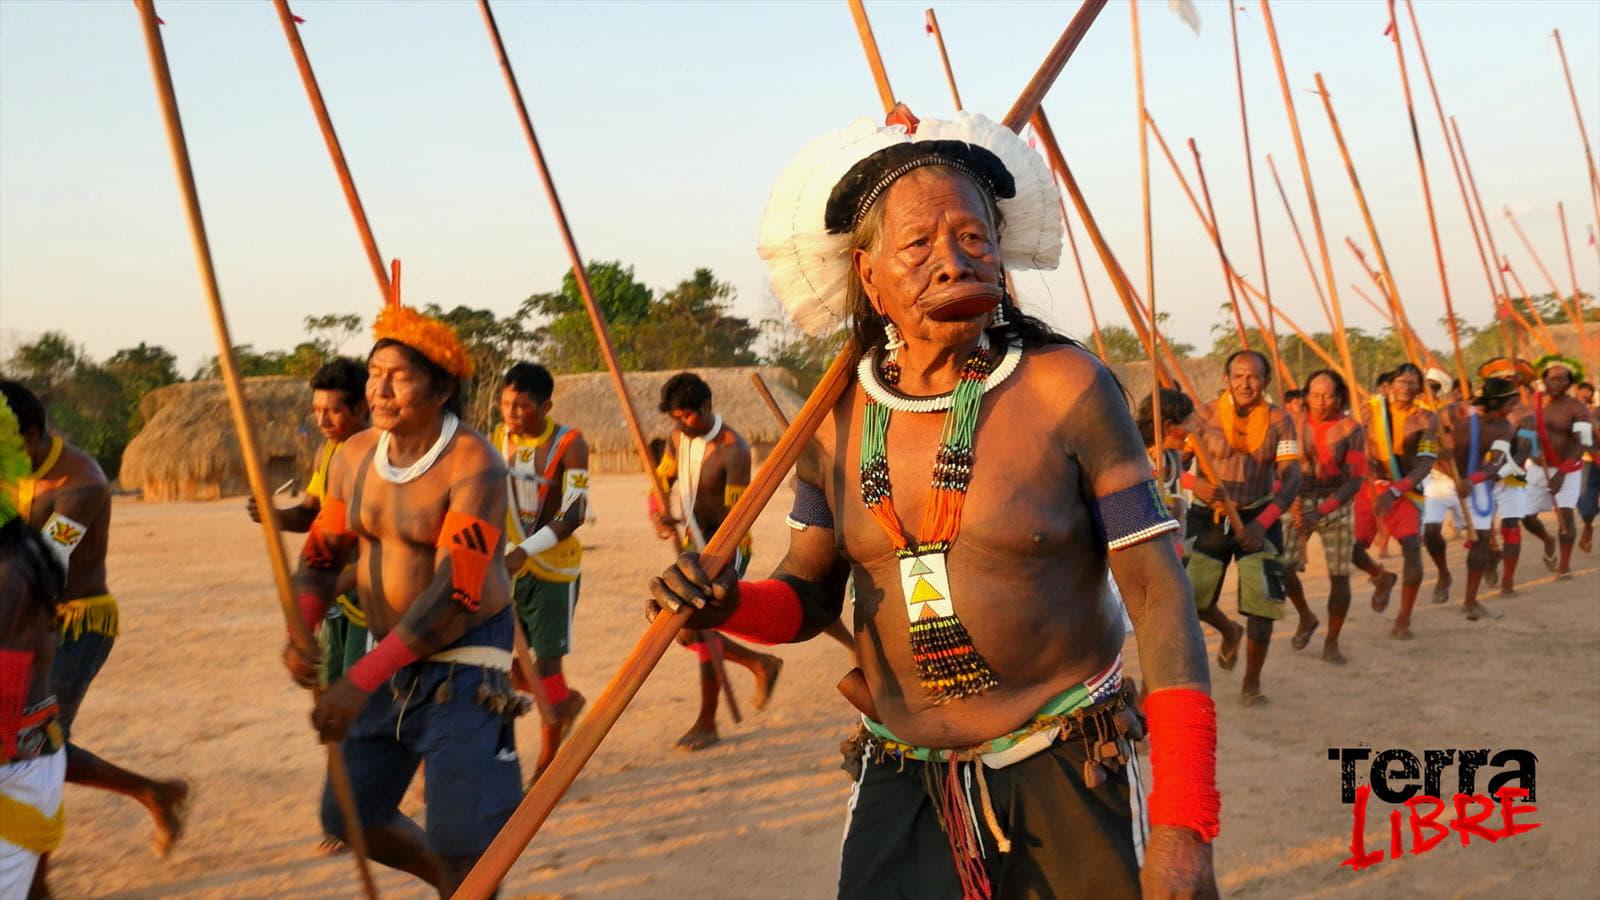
{"x":1049,"y":723}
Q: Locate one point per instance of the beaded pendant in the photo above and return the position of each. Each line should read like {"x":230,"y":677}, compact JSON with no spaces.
{"x":948,"y":665}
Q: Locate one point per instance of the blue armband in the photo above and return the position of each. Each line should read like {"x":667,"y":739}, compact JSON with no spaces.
{"x":1132,"y":516}
{"x":810,"y":508}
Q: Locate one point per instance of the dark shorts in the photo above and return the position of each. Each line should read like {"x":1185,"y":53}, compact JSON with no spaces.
{"x":1067,"y":839}
{"x":1211,"y":549}
{"x":77,"y":661}
{"x":474,"y":780}
{"x":545,"y":609}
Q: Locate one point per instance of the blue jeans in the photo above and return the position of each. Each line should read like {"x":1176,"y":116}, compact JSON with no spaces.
{"x":77,"y":661}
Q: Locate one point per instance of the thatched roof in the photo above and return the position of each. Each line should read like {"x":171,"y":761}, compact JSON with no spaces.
{"x":187,"y":449}
{"x":589,"y":402}
{"x":1203,"y":371}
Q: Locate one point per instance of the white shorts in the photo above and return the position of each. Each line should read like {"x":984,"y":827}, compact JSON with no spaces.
{"x":1440,"y":500}
{"x":1540,"y":499}
{"x":1510,"y":501}
{"x":34,"y":786}
{"x":1483,"y":495}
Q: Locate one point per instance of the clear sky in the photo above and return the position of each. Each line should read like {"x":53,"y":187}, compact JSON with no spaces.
{"x":665,"y":123}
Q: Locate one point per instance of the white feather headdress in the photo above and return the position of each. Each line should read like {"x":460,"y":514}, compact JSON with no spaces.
{"x":809,"y":264}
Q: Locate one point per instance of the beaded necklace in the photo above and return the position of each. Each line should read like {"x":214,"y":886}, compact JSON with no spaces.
{"x":948,"y":665}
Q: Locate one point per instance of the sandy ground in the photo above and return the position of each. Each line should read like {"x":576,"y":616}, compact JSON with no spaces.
{"x":195,"y":688}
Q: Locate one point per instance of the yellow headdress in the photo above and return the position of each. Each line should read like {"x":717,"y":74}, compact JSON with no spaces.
{"x":1506,"y":367}
{"x":424,"y":334}
{"x":14,"y":462}
{"x":1548,"y":360}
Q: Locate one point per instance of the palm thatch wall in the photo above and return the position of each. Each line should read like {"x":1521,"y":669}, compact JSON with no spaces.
{"x":187,"y":449}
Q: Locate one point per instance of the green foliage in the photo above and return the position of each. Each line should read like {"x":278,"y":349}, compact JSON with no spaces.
{"x":494,"y":344}
{"x":1123,"y":344}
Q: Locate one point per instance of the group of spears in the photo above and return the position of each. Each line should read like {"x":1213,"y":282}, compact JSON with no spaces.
{"x":997,"y":750}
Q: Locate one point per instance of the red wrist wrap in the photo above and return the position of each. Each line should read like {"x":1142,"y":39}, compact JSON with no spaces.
{"x":768,"y":613}
{"x":1328,"y":507}
{"x":390,"y":656}
{"x":1269,"y":515}
{"x":1186,"y":480}
{"x":1571,"y":465}
{"x":1478,"y":477}
{"x":1183,"y":761}
{"x":1402,"y":486}
{"x":312,"y":609}
{"x":16,"y":676}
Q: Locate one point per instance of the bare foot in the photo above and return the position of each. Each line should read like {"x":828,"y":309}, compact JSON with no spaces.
{"x":169,"y":807}
{"x":1441,"y":590}
{"x":1332,"y":655}
{"x":1551,"y":560}
{"x":1586,"y":540}
{"x":567,"y":711}
{"x":699,"y":737}
{"x":332,"y":846}
{"x":1302,"y":634}
{"x":1382,"y":586}
{"x":771,"y":667}
{"x":1252,"y":698}
{"x":1401,"y":632}
{"x":1228,"y":653}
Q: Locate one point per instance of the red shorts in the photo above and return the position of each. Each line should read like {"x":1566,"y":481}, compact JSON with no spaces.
{"x":1403,"y":521}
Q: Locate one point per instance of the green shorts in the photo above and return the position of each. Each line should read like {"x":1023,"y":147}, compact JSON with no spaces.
{"x":1211,"y":548}
{"x":545,"y":610}
{"x":343,"y":643}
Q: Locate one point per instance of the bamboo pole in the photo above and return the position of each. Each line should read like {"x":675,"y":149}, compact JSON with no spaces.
{"x":1461,"y":184}
{"x":238,"y":406}
{"x":1393,"y":289}
{"x":1555,"y":289}
{"x":1032,"y":96}
{"x":1380,"y":310}
{"x":1250,"y":177}
{"x":1216,"y":240}
{"x":944,"y":57}
{"x":1577,"y":111}
{"x":1572,"y":275}
{"x":1311,"y":196}
{"x":1427,"y":200}
{"x":542,"y":798}
{"x":1548,"y":340}
{"x":1077,"y":261}
{"x":1327,"y":358}
{"x":880,"y":76}
{"x":1311,"y":268}
{"x":767,"y":398}
{"x":1158,"y":454}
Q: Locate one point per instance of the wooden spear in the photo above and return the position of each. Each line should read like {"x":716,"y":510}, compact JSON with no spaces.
{"x":1250,"y":177}
{"x":1555,"y":289}
{"x":1572,"y":274}
{"x":880,"y":76}
{"x":1311,"y":195}
{"x":233,"y":384}
{"x":542,"y":798}
{"x":944,"y":57}
{"x":767,"y":398}
{"x":1157,"y":451}
{"x":1527,"y":300}
{"x":1577,"y":111}
{"x":1427,"y":200}
{"x":1077,"y":262}
{"x":1222,"y":254}
{"x":1410,"y":344}
{"x":1311,"y":268}
{"x":1461,"y":184}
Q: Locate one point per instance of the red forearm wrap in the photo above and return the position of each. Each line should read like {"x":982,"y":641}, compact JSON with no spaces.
{"x":1183,"y":761}
{"x":1186,"y":480}
{"x":16,"y":676}
{"x":1572,"y":465}
{"x":1328,"y":507}
{"x":1269,"y":514}
{"x":1403,"y":486}
{"x":312,"y":609}
{"x":390,"y":656}
{"x":1478,"y":477}
{"x":768,"y":613}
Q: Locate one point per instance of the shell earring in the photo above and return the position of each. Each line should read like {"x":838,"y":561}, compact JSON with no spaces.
{"x":891,"y":337}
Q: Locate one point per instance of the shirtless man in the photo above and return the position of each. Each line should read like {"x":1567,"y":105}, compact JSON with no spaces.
{"x":1333,"y":449}
{"x":1483,"y":455}
{"x":1510,"y":491}
{"x":67,"y":499}
{"x":1441,"y":499}
{"x":1402,"y":442}
{"x":1256,"y":451}
{"x":547,"y":499}
{"x":989,"y":654}
{"x":421,"y":498}
{"x":1564,"y":431}
{"x":32,"y":767}
{"x":707,"y":468}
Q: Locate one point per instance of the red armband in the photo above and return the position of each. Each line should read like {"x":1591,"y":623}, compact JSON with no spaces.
{"x":1328,"y":507}
{"x":472,"y":543}
{"x":390,"y":656}
{"x":312,"y":609}
{"x":1571,"y":465}
{"x":1183,"y":761}
{"x":16,"y":676}
{"x":768,"y":613}
{"x":1187,"y":480}
{"x":1269,"y":515}
{"x":329,"y":539}
{"x":1403,"y":486}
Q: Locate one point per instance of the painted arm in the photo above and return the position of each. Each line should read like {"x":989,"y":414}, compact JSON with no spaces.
{"x":1427,"y":451}
{"x":574,"y":490}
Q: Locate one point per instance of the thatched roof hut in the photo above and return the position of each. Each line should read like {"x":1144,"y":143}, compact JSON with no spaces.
{"x":589,"y":402}
{"x":187,"y":449}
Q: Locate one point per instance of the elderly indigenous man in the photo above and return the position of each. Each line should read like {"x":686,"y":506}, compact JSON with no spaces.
{"x":339,"y":406}
{"x":1483,"y":455}
{"x":1256,"y":450}
{"x":1333,"y":449}
{"x":422,"y":499}
{"x":1510,"y":490}
{"x":1402,"y":443}
{"x":543,"y":554}
{"x":1440,"y":497}
{"x":67,"y":499}
{"x":990,"y":677}
{"x":706,"y":466}
{"x":32,"y":766}
{"x":1563,"y":432}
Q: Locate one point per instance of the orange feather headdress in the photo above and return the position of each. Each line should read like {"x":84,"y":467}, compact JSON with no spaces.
{"x":424,"y":334}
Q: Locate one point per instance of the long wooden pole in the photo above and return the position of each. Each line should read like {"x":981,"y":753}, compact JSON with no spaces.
{"x":1427,"y":199}
{"x":542,"y":798}
{"x":1222,"y":254}
{"x":880,"y":76}
{"x":1083,"y":278}
{"x":319,"y":107}
{"x":233,"y":385}
{"x":1032,"y":95}
{"x":1577,"y":293}
{"x":1250,"y":177}
{"x":1393,"y":289}
{"x":1311,"y":195}
{"x":1410,"y":343}
{"x":1311,"y":268}
{"x":767,"y":398}
{"x":1488,"y":232}
{"x":1157,"y":451}
{"x":1306,"y":339}
{"x":1555,"y":289}
{"x":1527,"y":300}
{"x":944,"y":57}
{"x":1461,"y":184}
{"x":1583,"y":132}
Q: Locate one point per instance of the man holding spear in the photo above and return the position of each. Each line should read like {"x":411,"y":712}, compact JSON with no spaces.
{"x":991,"y":678}
{"x":1402,"y":443}
{"x":422,"y":499}
{"x":1563,"y":433}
